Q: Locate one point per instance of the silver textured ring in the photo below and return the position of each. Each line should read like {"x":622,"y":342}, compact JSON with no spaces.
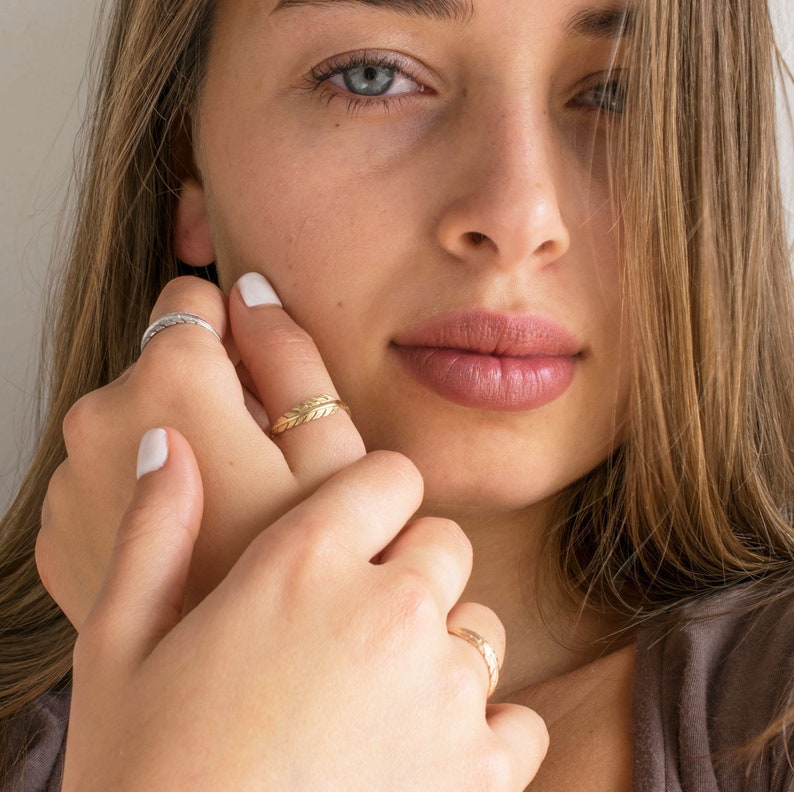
{"x":485,"y":649}
{"x":176,"y":318}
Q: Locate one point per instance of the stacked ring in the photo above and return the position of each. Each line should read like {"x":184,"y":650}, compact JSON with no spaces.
{"x":309,"y":410}
{"x":485,"y":649}
{"x":175,"y":318}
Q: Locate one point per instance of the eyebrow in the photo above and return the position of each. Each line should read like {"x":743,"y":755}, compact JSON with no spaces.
{"x":613,"y":22}
{"x":460,"y":12}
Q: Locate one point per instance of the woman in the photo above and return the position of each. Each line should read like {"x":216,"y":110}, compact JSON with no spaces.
{"x":540,"y":251}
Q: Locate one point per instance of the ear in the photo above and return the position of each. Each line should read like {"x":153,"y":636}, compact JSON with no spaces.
{"x":192,"y":240}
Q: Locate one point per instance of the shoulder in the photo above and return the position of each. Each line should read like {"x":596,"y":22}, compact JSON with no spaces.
{"x":710,"y":686}
{"x":40,"y":734}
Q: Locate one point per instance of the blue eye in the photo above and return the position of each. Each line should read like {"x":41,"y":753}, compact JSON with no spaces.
{"x":608,"y":96}
{"x":365,"y":75}
{"x":372,"y":79}
{"x":369,"y":80}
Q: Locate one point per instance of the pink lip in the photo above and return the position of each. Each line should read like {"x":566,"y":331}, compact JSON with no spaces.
{"x":491,"y":361}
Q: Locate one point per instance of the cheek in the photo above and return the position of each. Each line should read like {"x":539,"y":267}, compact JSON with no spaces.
{"x":341,"y":241}
{"x":289,"y":197}
{"x":327,"y":243}
{"x":602,"y":233}
{"x":293,"y":221}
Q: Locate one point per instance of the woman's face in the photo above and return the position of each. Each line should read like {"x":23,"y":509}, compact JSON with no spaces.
{"x":425,"y":183}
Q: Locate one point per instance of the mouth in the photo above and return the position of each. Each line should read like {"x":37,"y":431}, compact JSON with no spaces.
{"x":490,"y":361}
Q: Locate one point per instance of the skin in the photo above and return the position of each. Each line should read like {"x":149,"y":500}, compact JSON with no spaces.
{"x":506,"y":136}
{"x":331,"y":203}
{"x":508,"y":156}
{"x":285,"y":655}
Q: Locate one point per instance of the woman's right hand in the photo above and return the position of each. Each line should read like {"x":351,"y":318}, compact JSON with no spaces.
{"x":309,"y":667}
{"x":185,"y":378}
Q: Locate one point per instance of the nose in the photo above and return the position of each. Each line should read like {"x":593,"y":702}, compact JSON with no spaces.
{"x":503,"y":205}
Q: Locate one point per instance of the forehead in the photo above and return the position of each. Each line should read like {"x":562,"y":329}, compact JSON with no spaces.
{"x":608,"y":18}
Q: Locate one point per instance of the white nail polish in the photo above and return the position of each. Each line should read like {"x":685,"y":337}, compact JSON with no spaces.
{"x":152,"y":452}
{"x":256,"y":290}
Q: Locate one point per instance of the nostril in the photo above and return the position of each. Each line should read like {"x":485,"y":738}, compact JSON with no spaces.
{"x":546,"y":248}
{"x":476,"y":238}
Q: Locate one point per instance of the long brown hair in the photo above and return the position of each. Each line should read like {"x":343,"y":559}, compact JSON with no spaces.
{"x":698,"y":496}
{"x":120,"y":258}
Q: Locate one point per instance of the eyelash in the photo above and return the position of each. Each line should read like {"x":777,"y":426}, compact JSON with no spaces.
{"x":318,"y":80}
{"x":615,"y":83}
{"x":318,"y":83}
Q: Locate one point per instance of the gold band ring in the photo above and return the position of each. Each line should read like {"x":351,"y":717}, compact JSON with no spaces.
{"x":485,"y":649}
{"x":309,"y":410}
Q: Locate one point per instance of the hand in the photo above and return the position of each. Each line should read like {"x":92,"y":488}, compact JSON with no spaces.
{"x":188,"y":380}
{"x":309,"y":667}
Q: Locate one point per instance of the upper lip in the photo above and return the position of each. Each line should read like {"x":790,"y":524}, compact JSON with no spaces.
{"x":485,"y":333}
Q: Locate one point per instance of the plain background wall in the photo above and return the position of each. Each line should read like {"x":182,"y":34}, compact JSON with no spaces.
{"x":43,"y":45}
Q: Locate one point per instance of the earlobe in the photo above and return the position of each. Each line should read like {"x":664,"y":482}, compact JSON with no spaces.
{"x":192,"y":240}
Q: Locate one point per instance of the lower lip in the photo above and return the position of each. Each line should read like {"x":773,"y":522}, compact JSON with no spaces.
{"x":489,"y":382}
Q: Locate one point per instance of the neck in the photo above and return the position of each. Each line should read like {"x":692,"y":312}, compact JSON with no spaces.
{"x":547,"y":634}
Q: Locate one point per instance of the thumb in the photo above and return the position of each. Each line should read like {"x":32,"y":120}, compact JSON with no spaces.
{"x":143,"y":594}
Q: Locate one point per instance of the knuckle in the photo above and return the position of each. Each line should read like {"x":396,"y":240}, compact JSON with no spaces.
{"x":284,"y":333}
{"x":320,"y":546}
{"x":312,"y":558}
{"x":465,"y":682}
{"x":80,"y":421}
{"x":412,"y":609}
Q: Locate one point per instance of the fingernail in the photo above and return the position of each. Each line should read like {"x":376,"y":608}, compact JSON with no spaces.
{"x":256,"y":290}
{"x":152,"y":452}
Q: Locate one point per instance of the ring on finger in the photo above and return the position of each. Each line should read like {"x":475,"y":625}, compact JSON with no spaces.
{"x":309,"y":410}
{"x":485,"y":649}
{"x":172,"y":319}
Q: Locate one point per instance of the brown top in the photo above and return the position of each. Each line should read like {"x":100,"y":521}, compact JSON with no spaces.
{"x":709,"y":686}
{"x":702,"y":689}
{"x":44,"y":727}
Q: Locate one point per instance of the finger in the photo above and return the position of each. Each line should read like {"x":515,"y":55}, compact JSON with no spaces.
{"x":194,"y":295}
{"x":483,"y":621}
{"x":439,"y":551}
{"x":286,"y":370}
{"x":143,"y":595}
{"x":524,"y":737}
{"x":188,"y":355}
{"x":360,"y":509}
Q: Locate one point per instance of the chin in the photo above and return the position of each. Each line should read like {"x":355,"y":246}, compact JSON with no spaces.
{"x":469,"y":484}
{"x":469,"y":470}
{"x":458,"y":497}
